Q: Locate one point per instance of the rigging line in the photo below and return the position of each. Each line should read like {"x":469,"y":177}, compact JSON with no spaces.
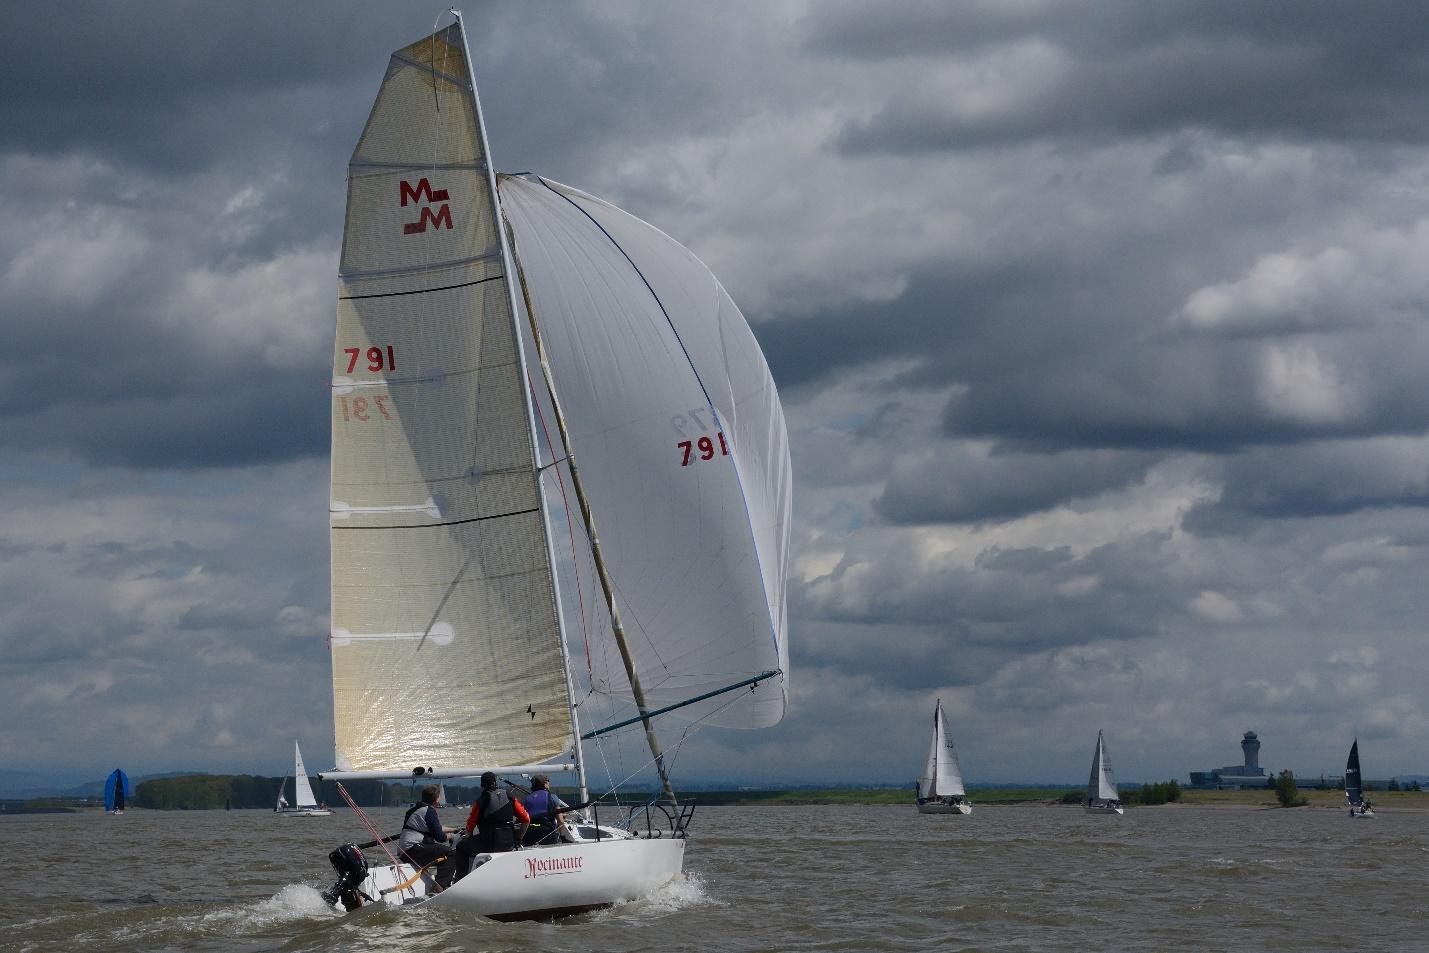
{"x":641,"y":275}
{"x":371,"y":828}
{"x":570,"y":526}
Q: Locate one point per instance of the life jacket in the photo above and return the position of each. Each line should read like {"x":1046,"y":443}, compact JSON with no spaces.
{"x":539,"y":805}
{"x":418,"y":834}
{"x":496,"y":826}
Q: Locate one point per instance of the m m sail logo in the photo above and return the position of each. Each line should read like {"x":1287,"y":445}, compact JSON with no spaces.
{"x":423,"y":192}
{"x":544,"y":867}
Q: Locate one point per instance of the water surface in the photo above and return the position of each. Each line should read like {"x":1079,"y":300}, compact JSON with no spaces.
{"x":1005,"y":878}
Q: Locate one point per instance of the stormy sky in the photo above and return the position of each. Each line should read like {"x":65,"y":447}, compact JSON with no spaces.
{"x":1101,"y":330}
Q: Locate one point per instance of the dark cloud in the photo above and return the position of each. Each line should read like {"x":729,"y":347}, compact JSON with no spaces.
{"x":1317,"y":479}
{"x":1095,"y":69}
{"x":955,"y":485}
{"x":1121,"y":410}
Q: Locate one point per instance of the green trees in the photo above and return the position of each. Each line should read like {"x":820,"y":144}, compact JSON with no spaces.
{"x":1286,"y":792}
{"x":1162,"y":792}
{"x":214,"y":792}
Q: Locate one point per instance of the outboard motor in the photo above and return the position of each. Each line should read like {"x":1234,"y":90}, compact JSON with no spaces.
{"x":351,"y":869}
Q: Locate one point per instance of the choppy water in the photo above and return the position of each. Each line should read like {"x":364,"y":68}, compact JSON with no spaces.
{"x":769,"y":878}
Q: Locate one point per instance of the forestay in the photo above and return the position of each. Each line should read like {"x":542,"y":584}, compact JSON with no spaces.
{"x":942,"y":777}
{"x":445,"y":646}
{"x":677,"y":431}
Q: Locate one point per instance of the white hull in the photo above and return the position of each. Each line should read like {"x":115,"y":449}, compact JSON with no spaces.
{"x":304,"y":812}
{"x":1104,"y":808}
{"x":945,"y":807}
{"x":542,"y":882}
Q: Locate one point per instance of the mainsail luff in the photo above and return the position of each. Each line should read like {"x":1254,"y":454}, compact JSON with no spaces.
{"x":593,"y":538}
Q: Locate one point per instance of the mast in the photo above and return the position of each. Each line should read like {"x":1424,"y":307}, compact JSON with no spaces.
{"x":508,"y":266}
{"x":637,"y":690}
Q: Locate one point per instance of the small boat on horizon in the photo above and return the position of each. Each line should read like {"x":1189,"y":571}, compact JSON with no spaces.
{"x":1102,"y":795}
{"x":307,"y":805}
{"x":940,"y":790}
{"x":1354,"y":787}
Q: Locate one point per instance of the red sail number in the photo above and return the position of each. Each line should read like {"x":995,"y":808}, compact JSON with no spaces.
{"x":705,"y":447}
{"x":377,"y":358}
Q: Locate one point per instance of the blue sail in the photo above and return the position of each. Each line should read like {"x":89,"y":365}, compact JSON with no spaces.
{"x":117,"y":790}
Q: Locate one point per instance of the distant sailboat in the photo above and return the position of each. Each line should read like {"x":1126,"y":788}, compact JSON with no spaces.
{"x":117,"y":791}
{"x":940,"y":789}
{"x":306,"y":805}
{"x":1102,"y":795}
{"x":1354,"y":786}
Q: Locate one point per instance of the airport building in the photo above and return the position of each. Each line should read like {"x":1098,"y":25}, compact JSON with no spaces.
{"x":1247,"y":775}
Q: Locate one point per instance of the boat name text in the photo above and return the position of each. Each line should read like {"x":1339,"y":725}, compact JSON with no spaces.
{"x":542,"y":866}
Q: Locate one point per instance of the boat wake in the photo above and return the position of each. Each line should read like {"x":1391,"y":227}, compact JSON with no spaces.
{"x":682,"y":893}
{"x":293,"y":902}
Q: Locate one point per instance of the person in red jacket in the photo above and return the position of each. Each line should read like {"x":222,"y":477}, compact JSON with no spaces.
{"x":491,"y":827}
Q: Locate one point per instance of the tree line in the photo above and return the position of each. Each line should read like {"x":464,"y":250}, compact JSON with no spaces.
{"x":215,"y":792}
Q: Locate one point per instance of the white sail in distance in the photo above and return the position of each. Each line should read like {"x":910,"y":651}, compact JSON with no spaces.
{"x":445,"y":643}
{"x":942,"y":776}
{"x":1101,"y":785}
{"x":302,"y":787}
{"x":679,"y":437}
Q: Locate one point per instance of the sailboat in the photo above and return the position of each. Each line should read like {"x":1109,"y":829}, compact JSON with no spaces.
{"x":1354,"y":786}
{"x":1102,"y":795}
{"x":517,"y":361}
{"x":117,"y":791}
{"x":306,"y":805}
{"x":940,"y":790}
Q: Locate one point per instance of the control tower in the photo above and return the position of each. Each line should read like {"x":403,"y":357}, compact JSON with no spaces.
{"x":1250,"y":744}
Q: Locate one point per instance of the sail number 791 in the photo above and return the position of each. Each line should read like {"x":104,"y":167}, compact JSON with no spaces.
{"x":704,"y":447}
{"x":375,"y":358}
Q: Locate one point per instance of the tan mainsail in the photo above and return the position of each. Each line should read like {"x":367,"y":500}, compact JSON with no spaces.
{"x":445,"y":644}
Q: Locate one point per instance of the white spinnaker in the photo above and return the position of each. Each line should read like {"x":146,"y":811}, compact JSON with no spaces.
{"x":649,"y":353}
{"x":302,"y":788}
{"x":1102,"y":783}
{"x":445,"y":646}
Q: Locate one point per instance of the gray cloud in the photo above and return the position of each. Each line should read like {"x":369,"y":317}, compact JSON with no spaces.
{"x":1098,"y":328}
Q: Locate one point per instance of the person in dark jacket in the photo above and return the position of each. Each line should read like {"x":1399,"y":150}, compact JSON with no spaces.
{"x":491,"y":828}
{"x":424,"y":839}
